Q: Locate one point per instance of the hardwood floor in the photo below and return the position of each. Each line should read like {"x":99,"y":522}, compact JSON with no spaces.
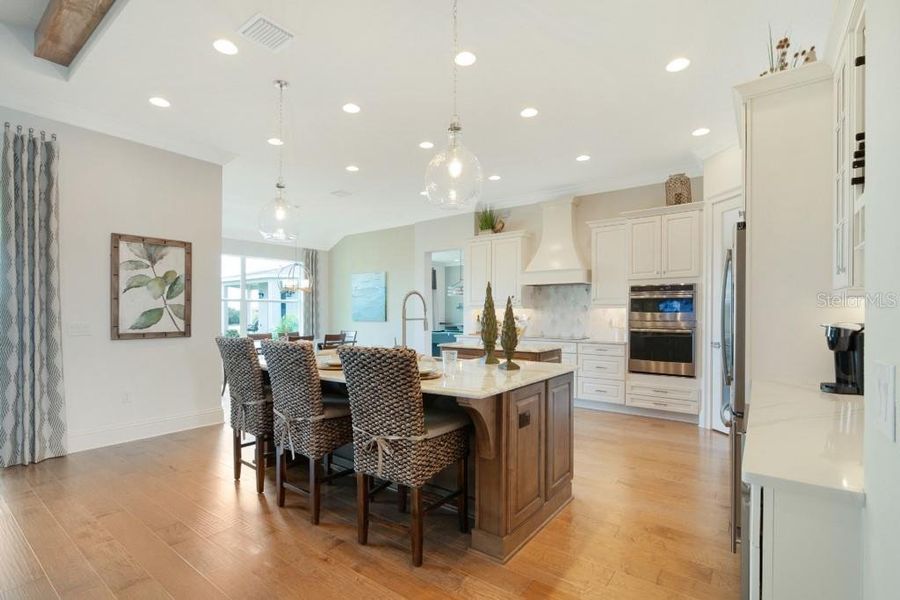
{"x":163,"y":518}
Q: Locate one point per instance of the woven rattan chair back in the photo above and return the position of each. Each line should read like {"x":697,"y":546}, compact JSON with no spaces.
{"x":385,"y":390}
{"x":296,"y":389}
{"x":249,"y":411}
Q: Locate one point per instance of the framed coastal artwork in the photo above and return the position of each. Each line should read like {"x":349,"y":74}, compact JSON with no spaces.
{"x":150,"y":288}
{"x":368,"y":293}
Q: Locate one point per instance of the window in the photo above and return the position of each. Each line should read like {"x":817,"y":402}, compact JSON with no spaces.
{"x":252,"y":298}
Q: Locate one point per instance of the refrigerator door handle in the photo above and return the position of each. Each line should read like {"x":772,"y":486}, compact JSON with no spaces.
{"x":726,"y":368}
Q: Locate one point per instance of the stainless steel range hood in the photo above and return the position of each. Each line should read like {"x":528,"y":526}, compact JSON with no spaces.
{"x":557,"y":260}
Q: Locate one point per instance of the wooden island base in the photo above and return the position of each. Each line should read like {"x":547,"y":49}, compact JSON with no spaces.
{"x":523,"y":463}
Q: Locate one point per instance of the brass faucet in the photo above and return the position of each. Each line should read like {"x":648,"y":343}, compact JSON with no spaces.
{"x":404,"y":319}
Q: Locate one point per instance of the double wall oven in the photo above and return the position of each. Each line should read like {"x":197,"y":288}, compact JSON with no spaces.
{"x":662,"y":328}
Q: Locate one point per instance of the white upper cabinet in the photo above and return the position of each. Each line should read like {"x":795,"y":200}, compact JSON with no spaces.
{"x":848,"y":185}
{"x":681,"y":245}
{"x":609,"y":256}
{"x":665,"y":244}
{"x":476,"y":270}
{"x":643,"y":248}
{"x":497,"y":258}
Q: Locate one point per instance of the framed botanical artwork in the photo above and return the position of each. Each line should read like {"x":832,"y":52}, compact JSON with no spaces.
{"x":368,"y":295}
{"x":150,"y":288}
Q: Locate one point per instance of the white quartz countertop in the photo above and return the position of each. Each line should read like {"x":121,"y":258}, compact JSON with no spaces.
{"x":523,"y":347}
{"x":798,"y":436}
{"x":472,"y":379}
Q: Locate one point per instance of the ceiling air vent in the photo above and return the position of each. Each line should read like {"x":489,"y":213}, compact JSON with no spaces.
{"x":263,"y":31}
{"x":341,"y":193}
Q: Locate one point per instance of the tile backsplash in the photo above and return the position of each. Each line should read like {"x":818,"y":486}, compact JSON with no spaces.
{"x":565,"y":311}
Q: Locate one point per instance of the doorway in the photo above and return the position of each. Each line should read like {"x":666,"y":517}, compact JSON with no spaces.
{"x":725,"y":213}
{"x":447,"y":314}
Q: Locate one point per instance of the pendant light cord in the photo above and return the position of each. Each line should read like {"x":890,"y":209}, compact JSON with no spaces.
{"x":281,"y":85}
{"x":455,"y":52}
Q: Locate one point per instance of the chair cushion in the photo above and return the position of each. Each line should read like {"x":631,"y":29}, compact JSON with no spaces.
{"x":335,"y":406}
{"x":438,"y":422}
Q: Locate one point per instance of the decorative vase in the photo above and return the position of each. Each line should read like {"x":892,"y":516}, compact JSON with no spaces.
{"x":485,"y":231}
{"x":509,"y":339}
{"x":489,"y":327}
{"x":499,"y":225}
{"x":678,"y":189}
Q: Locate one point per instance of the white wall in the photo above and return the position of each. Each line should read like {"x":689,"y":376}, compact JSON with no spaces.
{"x":723,"y":172}
{"x":882,"y":457}
{"x":122,"y":390}
{"x":388,"y":250}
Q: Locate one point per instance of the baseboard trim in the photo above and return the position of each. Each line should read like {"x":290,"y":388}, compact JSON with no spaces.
{"x":129,"y":432}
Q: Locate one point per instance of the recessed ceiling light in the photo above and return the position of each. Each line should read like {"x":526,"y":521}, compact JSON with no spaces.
{"x":582,"y":158}
{"x":426,"y":145}
{"x":494,"y":178}
{"x":275,"y":141}
{"x":700,"y":131}
{"x":351,"y":108}
{"x":423,"y":193}
{"x":529,"y":112}
{"x":679,"y":64}
{"x":352,"y":168}
{"x":160,"y":102}
{"x":225,"y":47}
{"x":465,"y":59}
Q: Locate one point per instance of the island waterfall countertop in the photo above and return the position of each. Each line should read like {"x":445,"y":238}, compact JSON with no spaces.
{"x":798,"y":436}
{"x":524,"y":441}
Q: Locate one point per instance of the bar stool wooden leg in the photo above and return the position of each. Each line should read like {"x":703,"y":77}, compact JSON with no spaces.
{"x":315,"y":489}
{"x":362,"y":507}
{"x":401,"y":498}
{"x":236,"y":439}
{"x":280,"y":472}
{"x":462,"y":501}
{"x":415,"y":530}
{"x":260,"y":464}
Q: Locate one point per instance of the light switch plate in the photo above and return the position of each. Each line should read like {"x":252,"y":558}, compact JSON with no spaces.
{"x":885,"y":403}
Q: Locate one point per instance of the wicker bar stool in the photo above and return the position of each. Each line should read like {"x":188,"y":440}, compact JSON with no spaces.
{"x":306,"y":422}
{"x":396,"y":440}
{"x":251,"y":404}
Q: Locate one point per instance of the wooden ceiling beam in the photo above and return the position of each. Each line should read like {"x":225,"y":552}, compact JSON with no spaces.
{"x":65,"y":28}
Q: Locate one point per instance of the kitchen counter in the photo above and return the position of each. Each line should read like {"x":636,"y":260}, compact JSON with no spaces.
{"x":802,"y":438}
{"x":524,"y":440}
{"x":523,"y":346}
{"x":546,"y":353}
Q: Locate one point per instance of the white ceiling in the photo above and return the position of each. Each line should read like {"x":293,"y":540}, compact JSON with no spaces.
{"x":594,"y":69}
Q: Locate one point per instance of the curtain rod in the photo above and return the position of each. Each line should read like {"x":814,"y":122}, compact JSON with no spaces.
{"x":7,"y":125}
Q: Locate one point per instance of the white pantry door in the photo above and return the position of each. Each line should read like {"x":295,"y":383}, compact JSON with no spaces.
{"x":725,"y":215}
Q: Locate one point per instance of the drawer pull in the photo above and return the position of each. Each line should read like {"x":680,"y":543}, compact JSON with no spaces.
{"x":661,"y":391}
{"x":660,"y":404}
{"x":524,"y":419}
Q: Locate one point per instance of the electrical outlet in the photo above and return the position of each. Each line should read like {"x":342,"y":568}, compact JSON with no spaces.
{"x":885,"y":403}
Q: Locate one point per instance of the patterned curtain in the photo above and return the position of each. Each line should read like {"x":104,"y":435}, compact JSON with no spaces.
{"x":311,"y":325}
{"x":32,"y":408}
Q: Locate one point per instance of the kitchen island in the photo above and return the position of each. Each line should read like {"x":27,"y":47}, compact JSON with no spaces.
{"x":538,"y":352}
{"x":523,"y":451}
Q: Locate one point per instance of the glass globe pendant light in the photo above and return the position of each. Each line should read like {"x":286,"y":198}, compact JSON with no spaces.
{"x":279,"y":221}
{"x":453,"y":177}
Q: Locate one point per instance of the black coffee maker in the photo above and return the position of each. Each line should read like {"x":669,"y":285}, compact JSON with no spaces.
{"x":846,"y":341}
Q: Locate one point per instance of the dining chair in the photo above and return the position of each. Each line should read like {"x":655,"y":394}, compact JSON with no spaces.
{"x":397,"y":440}
{"x":259,"y":336}
{"x":331,"y":340}
{"x":296,"y":337}
{"x":251,"y":404}
{"x":306,"y":421}
{"x":349,"y":337}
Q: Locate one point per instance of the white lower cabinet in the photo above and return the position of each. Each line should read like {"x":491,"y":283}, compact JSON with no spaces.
{"x":805,"y":544}
{"x":667,"y":394}
{"x":601,"y":373}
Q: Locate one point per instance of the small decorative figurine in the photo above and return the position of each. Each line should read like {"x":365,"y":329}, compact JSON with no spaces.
{"x":509,"y":339}
{"x":489,"y":327}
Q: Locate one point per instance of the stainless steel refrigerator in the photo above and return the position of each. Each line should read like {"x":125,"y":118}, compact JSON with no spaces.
{"x":734,"y":386}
